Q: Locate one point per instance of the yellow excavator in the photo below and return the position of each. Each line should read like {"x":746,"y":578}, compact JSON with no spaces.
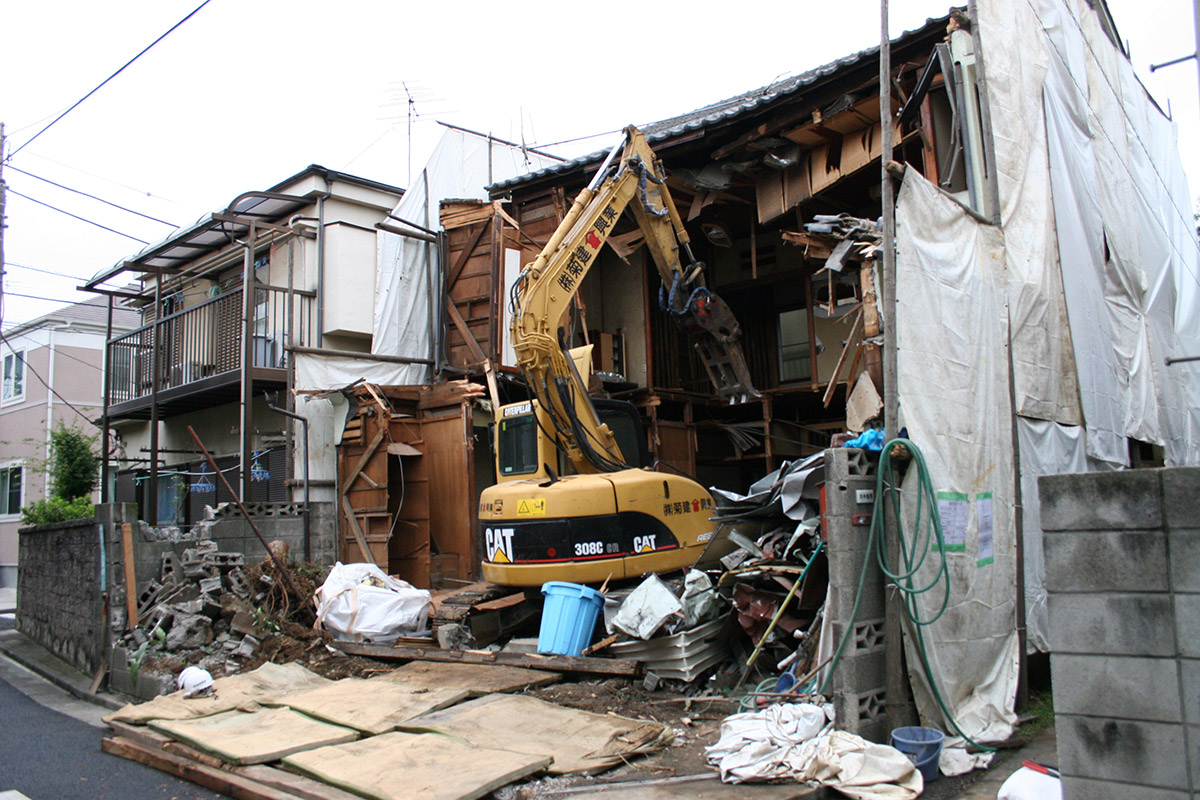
{"x":614,"y":517}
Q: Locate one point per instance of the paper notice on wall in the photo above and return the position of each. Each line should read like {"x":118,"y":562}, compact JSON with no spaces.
{"x":952,"y":508}
{"x":983,"y":515}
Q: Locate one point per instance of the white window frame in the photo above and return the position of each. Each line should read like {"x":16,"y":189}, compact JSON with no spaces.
{"x":17,"y":465}
{"x":13,"y":356}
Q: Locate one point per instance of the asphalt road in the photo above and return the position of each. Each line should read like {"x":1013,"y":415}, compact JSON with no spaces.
{"x":48,"y":755}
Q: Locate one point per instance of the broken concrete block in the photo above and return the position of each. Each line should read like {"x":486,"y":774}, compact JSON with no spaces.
{"x":238,"y":583}
{"x":210,"y":585}
{"x":172,"y":569}
{"x":189,"y":631}
{"x":223,"y":561}
{"x":188,"y":606}
{"x":453,"y":636}
{"x":243,"y":622}
{"x":247,"y":647}
{"x":207,"y":546}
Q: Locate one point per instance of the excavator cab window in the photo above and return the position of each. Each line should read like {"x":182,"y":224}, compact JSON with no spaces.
{"x":624,"y":421}
{"x":517,"y":445}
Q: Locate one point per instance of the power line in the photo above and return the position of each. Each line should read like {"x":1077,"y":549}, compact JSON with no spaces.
{"x":35,"y":297}
{"x":46,"y":271}
{"x":106,"y":80}
{"x":76,"y":216}
{"x":92,"y":196}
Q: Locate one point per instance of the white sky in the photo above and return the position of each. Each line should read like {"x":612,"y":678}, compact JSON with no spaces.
{"x":246,"y":94}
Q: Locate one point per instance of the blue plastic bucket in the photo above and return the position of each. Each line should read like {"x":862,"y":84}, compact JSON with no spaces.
{"x":923,"y":746}
{"x":568,"y":618}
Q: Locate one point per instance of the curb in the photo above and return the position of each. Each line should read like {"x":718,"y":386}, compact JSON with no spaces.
{"x":24,"y":651}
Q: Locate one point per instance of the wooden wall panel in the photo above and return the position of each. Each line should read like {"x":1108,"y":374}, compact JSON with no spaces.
{"x":452,"y":510}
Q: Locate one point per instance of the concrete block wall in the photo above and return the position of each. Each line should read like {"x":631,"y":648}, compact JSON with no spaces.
{"x":59,"y":602}
{"x":859,"y":684}
{"x":1123,"y":576}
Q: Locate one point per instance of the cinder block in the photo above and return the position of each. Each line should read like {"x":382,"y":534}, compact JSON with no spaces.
{"x":1101,"y":501}
{"x":841,"y":600}
{"x":1075,"y":788}
{"x":1187,"y":621}
{"x":1115,"y":624}
{"x":842,"y":463}
{"x":860,"y":674}
{"x":1125,"y":687}
{"x":1181,"y":496}
{"x":1184,"y":545}
{"x":1106,"y":561}
{"x":1141,"y":753}
{"x":1190,"y":672}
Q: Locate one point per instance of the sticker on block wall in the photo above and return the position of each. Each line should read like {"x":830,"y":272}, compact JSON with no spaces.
{"x":952,"y":508}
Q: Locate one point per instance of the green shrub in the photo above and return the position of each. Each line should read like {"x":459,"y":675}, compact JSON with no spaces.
{"x":56,"y":509}
{"x":74,"y":466}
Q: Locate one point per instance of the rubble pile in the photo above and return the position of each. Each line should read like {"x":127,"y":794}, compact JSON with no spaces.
{"x":210,"y":609}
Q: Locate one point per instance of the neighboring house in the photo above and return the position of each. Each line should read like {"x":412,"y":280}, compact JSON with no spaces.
{"x":207,"y":350}
{"x":53,"y":369}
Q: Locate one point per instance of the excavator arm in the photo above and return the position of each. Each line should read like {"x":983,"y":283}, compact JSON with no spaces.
{"x":630,"y":177}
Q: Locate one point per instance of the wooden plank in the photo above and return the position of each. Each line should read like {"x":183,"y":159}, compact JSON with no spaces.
{"x":477,"y":679}
{"x":461,"y":325}
{"x":364,"y":458}
{"x":851,"y":342}
{"x":267,"y":735}
{"x":356,"y":529}
{"x":295,"y":785}
{"x":131,"y":590}
{"x":218,"y":780}
{"x":590,"y":666}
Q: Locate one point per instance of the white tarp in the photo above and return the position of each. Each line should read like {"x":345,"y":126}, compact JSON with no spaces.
{"x":407,"y":281}
{"x":952,"y":332}
{"x":322,"y":373}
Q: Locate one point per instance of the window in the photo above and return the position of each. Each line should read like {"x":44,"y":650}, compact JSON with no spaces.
{"x":14,"y":377}
{"x":10,"y":491}
{"x":795,"y":355}
{"x":518,"y":445}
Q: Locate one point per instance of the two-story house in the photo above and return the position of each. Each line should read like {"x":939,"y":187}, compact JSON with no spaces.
{"x":225,"y":305}
{"x":54,"y":372}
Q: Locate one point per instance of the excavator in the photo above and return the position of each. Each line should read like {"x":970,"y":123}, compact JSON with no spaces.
{"x":614,"y":517}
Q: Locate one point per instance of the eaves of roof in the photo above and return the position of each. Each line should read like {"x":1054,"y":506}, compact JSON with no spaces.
{"x":729,"y":109}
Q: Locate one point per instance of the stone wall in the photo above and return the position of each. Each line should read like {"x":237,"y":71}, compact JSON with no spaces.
{"x":59,"y":601}
{"x":1123,"y":576}
{"x":859,"y":684}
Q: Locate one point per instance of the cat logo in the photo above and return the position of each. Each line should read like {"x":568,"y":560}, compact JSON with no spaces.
{"x":644,"y":544}
{"x":499,"y":545}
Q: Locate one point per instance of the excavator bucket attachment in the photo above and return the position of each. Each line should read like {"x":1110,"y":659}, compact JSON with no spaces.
{"x":715,"y":332}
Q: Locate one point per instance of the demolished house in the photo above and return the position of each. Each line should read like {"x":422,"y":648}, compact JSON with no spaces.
{"x":1046,"y":269}
{"x":1035,"y":321}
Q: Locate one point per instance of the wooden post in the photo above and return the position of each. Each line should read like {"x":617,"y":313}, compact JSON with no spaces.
{"x":131,"y":592}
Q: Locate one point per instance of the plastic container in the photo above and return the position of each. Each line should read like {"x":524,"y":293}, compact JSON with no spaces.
{"x":923,"y":746}
{"x":568,"y":618}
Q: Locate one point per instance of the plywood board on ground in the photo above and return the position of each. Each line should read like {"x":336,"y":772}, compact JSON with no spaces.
{"x":579,"y":741}
{"x":244,"y":738}
{"x":477,"y":679}
{"x":398,"y":766}
{"x":372,"y":706}
{"x":268,"y":682}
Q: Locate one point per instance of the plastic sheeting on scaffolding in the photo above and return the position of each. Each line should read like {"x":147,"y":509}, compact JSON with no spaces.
{"x":407,"y":284}
{"x":952,"y":381}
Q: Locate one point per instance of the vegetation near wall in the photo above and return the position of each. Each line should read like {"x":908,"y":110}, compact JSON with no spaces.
{"x":74,"y":466}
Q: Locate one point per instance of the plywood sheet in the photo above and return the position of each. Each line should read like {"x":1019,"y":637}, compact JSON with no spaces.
{"x":265,"y":684}
{"x":255,"y":738}
{"x":578,"y":741}
{"x":399,"y":766}
{"x":370,"y":706}
{"x":477,"y":679}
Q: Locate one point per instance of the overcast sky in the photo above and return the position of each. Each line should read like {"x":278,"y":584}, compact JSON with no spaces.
{"x":246,"y":94}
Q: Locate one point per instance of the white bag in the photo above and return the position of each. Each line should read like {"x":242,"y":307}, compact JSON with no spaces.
{"x":358,"y":602}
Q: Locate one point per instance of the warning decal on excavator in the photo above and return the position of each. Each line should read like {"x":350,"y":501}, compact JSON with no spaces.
{"x":531,"y":507}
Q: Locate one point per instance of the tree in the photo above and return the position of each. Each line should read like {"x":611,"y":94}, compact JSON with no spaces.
{"x":74,"y":467}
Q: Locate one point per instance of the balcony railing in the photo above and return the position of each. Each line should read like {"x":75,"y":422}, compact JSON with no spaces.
{"x":205,"y":341}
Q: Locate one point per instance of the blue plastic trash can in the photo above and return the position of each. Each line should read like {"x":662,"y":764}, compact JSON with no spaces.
{"x":568,"y":618}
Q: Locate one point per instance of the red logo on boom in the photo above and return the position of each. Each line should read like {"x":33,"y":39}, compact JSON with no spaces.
{"x":593,"y":240}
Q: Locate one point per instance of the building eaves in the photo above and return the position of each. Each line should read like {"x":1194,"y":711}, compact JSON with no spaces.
{"x":730,"y":109}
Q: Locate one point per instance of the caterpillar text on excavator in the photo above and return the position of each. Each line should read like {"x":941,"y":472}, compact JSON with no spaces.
{"x":615,"y":517}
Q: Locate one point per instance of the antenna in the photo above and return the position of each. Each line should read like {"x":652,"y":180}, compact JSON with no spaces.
{"x":412,"y":112}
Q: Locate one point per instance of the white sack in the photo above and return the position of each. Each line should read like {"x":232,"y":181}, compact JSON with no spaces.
{"x":358,"y":602}
{"x":646,"y":608}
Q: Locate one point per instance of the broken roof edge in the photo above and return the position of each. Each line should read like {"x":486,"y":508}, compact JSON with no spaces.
{"x":729,"y":109}
{"x":208,"y":220}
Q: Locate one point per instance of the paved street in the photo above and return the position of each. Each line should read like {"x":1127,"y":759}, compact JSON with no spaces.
{"x":50,"y":749}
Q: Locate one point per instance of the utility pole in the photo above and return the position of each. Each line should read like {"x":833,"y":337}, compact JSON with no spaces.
{"x":3,"y":218}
